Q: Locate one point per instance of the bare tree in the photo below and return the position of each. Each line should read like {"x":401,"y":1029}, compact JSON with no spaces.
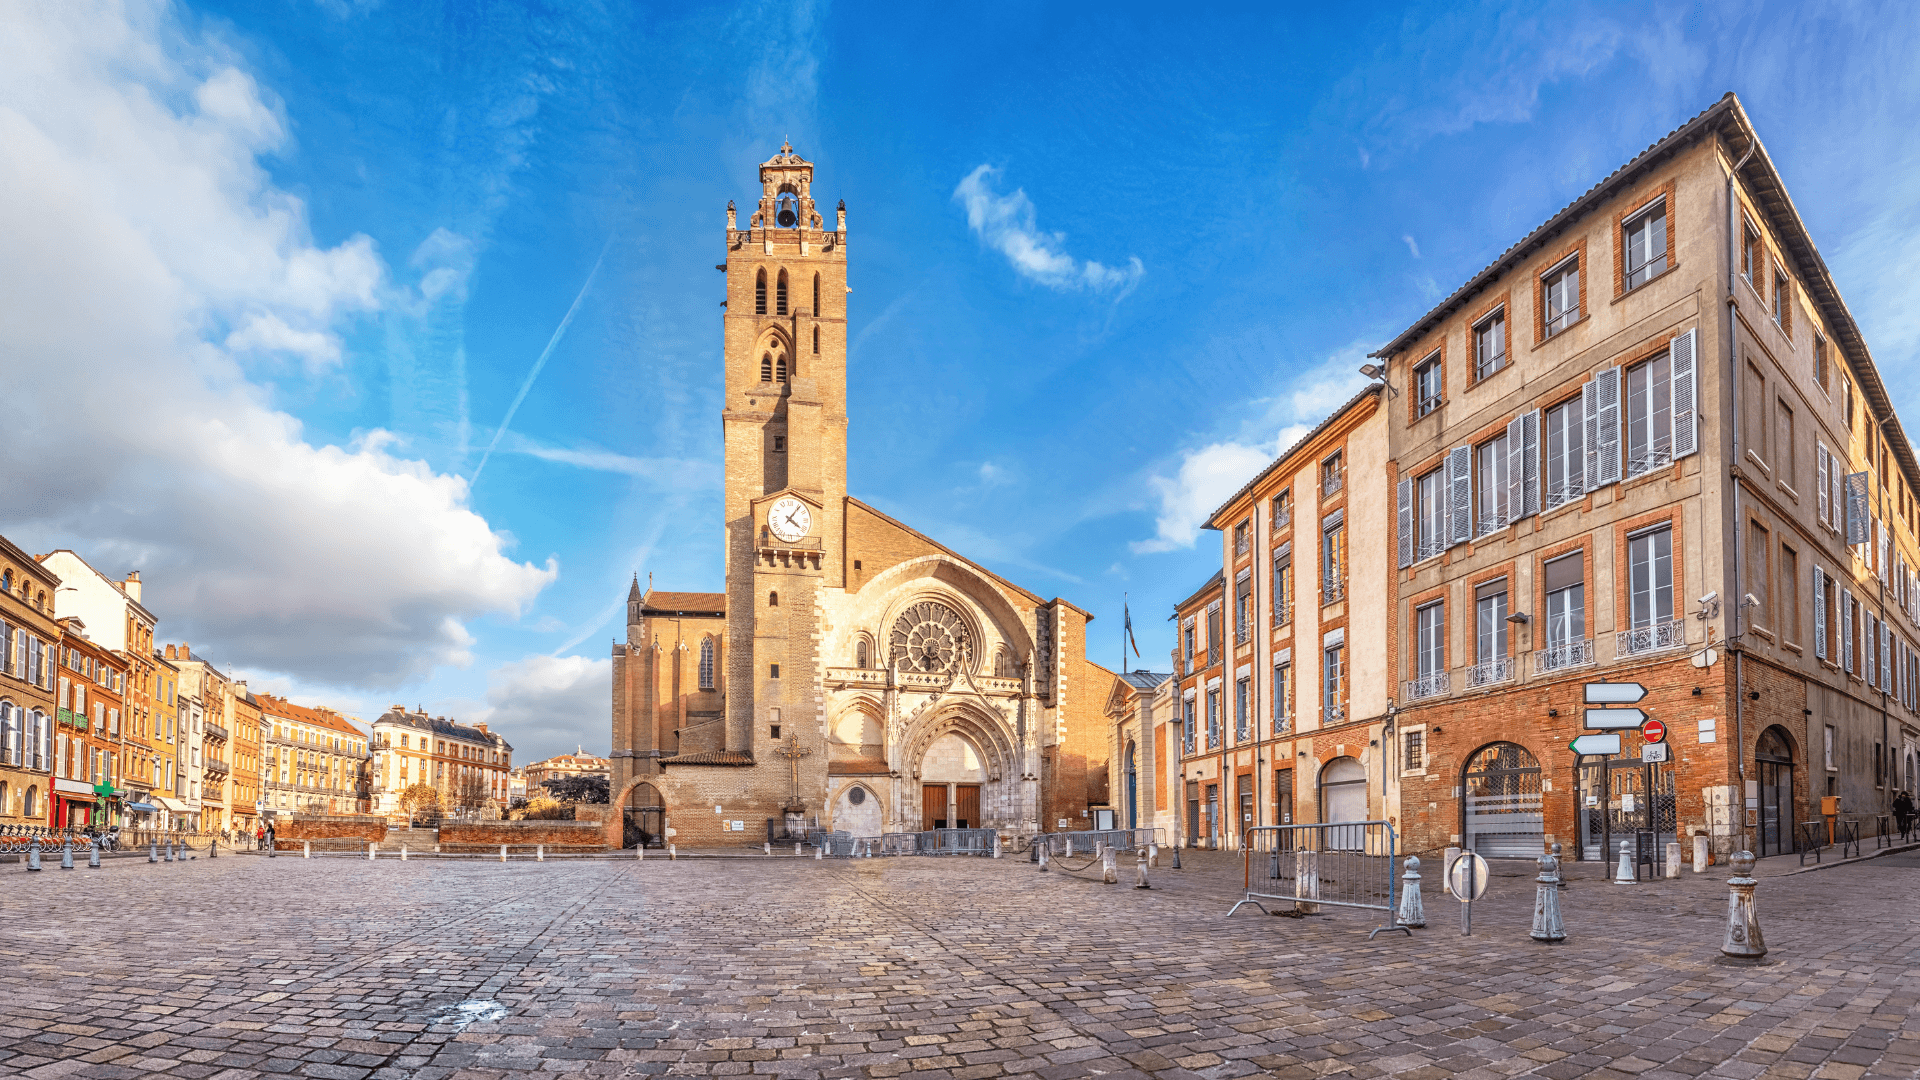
{"x":471,"y":794}
{"x":419,"y":798}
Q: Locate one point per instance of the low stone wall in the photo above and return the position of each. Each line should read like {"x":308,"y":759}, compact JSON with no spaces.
{"x":292,"y":834}
{"x":554,"y":835}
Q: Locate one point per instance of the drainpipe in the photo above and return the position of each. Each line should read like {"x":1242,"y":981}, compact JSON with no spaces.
{"x":1738,"y":598}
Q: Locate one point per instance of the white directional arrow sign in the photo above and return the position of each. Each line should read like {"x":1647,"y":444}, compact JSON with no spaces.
{"x":1614,"y":693}
{"x":1610,"y":719}
{"x":1607,"y":744}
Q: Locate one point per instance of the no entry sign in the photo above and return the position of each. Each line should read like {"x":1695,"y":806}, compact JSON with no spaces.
{"x":1653,"y":731}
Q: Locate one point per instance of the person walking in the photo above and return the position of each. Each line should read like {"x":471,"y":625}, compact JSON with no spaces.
{"x":1903,"y":814}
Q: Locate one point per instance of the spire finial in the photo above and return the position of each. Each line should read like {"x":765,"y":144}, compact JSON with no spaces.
{"x":786,"y":146}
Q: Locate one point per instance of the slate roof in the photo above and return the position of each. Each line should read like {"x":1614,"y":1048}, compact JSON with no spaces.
{"x":1146,"y":680}
{"x":683,"y":603}
{"x":443,"y":727}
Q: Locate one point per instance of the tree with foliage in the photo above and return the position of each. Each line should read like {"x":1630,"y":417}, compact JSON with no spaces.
{"x":418,"y":799}
{"x":578,"y":789}
{"x":542,"y":808}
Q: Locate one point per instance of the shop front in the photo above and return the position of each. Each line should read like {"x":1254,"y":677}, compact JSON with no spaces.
{"x":73,"y":804}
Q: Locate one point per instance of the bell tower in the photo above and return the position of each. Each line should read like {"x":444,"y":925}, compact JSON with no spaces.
{"x":785,"y":423}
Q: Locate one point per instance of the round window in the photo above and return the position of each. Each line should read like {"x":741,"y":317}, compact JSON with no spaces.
{"x":857,"y":796}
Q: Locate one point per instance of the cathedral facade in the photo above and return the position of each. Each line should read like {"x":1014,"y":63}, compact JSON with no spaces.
{"x":855,"y":674}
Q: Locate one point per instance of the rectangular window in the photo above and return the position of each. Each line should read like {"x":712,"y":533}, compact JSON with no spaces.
{"x":1332,"y":475}
{"x":1491,"y":484}
{"x":1431,"y":508}
{"x":1749,"y":247}
{"x":1430,"y":639}
{"x":1187,"y":730}
{"x":1426,"y":386}
{"x":1779,"y":296}
{"x":1490,"y":622}
{"x":1831,"y":739}
{"x":1561,"y":288}
{"x":1783,"y":443}
{"x":1646,"y":244}
{"x":1243,"y":538}
{"x":1242,"y":709}
{"x":1282,"y":510}
{"x":1820,"y":360}
{"x":1186,"y":644}
{"x":1490,"y":345}
{"x":1216,"y":633}
{"x":1650,"y":578}
{"x":1213,"y":718}
{"x":1282,"y":587}
{"x":1787,"y":595}
{"x":1243,"y":607}
{"x":1333,"y":561}
{"x":1282,"y":698}
{"x":1565,"y":452}
{"x":1649,"y":415}
{"x":1757,"y":576}
{"x":1414,"y":746}
{"x":1333,"y":683}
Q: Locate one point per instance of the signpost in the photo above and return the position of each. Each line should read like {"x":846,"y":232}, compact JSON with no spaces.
{"x":1653,"y":753}
{"x":1614,"y":693}
{"x":1606,"y":744}
{"x":1653,"y":731}
{"x":1467,"y":876}
{"x":1614,"y":719}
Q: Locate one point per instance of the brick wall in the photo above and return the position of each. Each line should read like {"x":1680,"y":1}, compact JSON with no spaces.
{"x":484,"y":834}
{"x":370,"y":830}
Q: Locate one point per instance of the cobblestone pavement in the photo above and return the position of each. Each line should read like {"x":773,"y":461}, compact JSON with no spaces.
{"x":341,"y":968}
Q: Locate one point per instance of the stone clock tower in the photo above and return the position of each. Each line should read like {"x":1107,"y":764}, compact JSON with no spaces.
{"x":786,"y":458}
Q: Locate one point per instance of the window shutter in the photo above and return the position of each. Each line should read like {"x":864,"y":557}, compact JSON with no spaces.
{"x":1886,"y":658}
{"x":1577,"y":447}
{"x":1460,"y":494}
{"x":1606,"y":467}
{"x":1516,"y":469}
{"x":1531,"y":480}
{"x":1867,"y":653}
{"x":1686,"y":406}
{"x":1589,"y":433}
{"x":1821,"y":460}
{"x":1886,"y":546}
{"x":1835,"y":481}
{"x":1405,"y":491}
{"x":1846,"y":630}
{"x":1819,"y":614}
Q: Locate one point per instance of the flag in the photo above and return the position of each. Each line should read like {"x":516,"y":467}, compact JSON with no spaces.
{"x":1124,"y":610}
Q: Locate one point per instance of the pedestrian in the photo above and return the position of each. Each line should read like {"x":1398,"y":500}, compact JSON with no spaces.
{"x":1903,"y":814}
{"x":259,"y":838}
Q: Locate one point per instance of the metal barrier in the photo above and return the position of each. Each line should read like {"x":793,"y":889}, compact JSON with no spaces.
{"x":1082,"y":842}
{"x":1847,"y":834}
{"x":1812,"y":839}
{"x":1350,"y":864}
{"x":955,"y":842}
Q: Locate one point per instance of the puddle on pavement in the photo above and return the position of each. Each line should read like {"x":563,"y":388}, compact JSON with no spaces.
{"x":457,"y":1016}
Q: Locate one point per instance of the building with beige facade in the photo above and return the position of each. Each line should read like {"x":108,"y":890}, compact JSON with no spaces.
{"x":468,"y":764}
{"x":28,"y":635}
{"x":315,"y":760}
{"x":578,"y":763}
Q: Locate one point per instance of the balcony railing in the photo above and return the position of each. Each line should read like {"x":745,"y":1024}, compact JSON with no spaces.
{"x":216,"y":731}
{"x":1282,"y":613}
{"x":1332,"y":482}
{"x":1332,"y":589}
{"x":1430,"y":685}
{"x":1490,"y":672}
{"x":1333,"y":712}
{"x":1657,"y":458}
{"x":1558,"y":497}
{"x":1567,"y":654}
{"x":214,"y":768}
{"x":1283,"y":517}
{"x":1242,"y":630}
{"x":1429,"y":545}
{"x":1671,"y":634}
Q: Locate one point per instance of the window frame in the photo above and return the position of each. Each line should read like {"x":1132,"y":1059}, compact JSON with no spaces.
{"x":1485,"y":367}
{"x":1429,"y":385}
{"x":1430,"y":638}
{"x":1656,"y":208}
{"x":1551,"y":324}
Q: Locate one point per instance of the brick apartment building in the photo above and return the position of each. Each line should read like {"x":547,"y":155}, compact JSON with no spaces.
{"x":1647,"y":444}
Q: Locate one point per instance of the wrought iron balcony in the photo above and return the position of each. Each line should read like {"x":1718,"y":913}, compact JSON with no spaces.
{"x":1671,"y":634}
{"x":1282,"y":613}
{"x":1567,"y":654}
{"x":1490,"y":672}
{"x":1427,"y":686}
{"x":1429,"y":545}
{"x":1283,"y":517}
{"x":1333,"y":588}
{"x":1657,"y":458}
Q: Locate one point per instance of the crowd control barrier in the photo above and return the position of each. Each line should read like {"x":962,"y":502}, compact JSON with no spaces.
{"x":1082,"y":842}
{"x":1349,"y":864}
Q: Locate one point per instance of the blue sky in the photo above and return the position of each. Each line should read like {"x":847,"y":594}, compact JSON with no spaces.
{"x":294,"y":262}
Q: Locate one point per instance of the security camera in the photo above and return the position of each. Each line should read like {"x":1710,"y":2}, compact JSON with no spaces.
{"x":1750,"y":600}
{"x":1709,"y":598}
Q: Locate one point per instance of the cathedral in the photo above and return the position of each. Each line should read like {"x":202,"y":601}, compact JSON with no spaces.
{"x":855,"y":675}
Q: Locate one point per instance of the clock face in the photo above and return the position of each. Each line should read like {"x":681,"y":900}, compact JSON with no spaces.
{"x":789,"y":519}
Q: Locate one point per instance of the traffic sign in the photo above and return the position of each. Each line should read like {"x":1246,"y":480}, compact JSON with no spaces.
{"x":1653,"y":753}
{"x":1653,"y":731}
{"x":1607,"y":743}
{"x":1611,"y":719}
{"x":1614,"y":693}
{"x":1467,"y":876}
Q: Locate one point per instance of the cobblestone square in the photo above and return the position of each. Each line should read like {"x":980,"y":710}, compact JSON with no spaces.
{"x":343,"y":969}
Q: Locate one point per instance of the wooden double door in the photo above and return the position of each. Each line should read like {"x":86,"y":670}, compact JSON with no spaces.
{"x":963,"y":800}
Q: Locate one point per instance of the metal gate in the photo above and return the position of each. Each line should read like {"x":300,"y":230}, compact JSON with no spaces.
{"x":1503,"y":792}
{"x":1773,"y":761}
{"x":1615,"y":807}
{"x":1352,"y":864}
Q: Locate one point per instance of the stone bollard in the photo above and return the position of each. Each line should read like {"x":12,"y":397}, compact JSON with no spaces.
{"x":1557,"y":857}
{"x":403,"y":853}
{"x":66,"y":854}
{"x":153,"y":851}
{"x":640,"y":851}
{"x":1673,"y":859}
{"x":817,"y":853}
{"x":1176,"y":855}
{"x":1413,"y":912}
{"x":1446,"y":864}
{"x":33,"y":854}
{"x":996,"y":845}
{"x":1547,"y":927}
{"x":1743,"y":921}
{"x":1153,"y":855}
{"x":306,"y":850}
{"x":1700,"y":855}
{"x":767,"y":848}
{"x":1042,"y":849}
{"x":673,"y":852}
{"x":1306,"y":881}
{"x":503,"y":853}
{"x":1273,"y":863}
{"x":1069,"y":846}
{"x":1623,"y":873}
{"x":539,"y":853}
{"x":213,"y":848}
{"x":93,"y":855}
{"x":1140,"y":871}
{"x":1109,"y":868}
{"x":372,"y":851}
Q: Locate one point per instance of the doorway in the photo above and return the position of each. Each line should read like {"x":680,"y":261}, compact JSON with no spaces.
{"x":1343,"y":797}
{"x":1773,"y":758}
{"x":1623,"y":798}
{"x":933,"y":798}
{"x":967,"y":806}
{"x":1505,"y":819}
{"x":1283,"y":796}
{"x":1133,"y":791}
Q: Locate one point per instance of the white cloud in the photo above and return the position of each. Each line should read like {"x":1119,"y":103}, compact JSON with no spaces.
{"x":1207,"y":477}
{"x":676,"y":472}
{"x":547,"y":705}
{"x":992,"y":475}
{"x":1006,"y":223}
{"x":1412,"y":245}
{"x":159,"y":246}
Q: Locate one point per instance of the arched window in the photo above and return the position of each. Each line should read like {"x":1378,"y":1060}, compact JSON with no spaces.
{"x":773,"y":599}
{"x":780,"y":297}
{"x":766,"y":367}
{"x":816,"y":300}
{"x":760,"y":293}
{"x":816,"y":341}
{"x":30,"y":807}
{"x":862,"y":655}
{"x":6,"y":581}
{"x":780,"y":366}
{"x":706,"y":664}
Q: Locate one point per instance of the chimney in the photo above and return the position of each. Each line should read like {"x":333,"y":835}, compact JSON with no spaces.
{"x":480,"y":726}
{"x":169,"y":652}
{"x":186,"y":653}
{"x":132,"y":585}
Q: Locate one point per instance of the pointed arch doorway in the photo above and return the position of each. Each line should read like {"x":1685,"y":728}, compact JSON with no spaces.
{"x":952,"y":773}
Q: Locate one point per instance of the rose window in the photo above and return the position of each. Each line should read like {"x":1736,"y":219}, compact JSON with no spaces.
{"x":931,"y":637}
